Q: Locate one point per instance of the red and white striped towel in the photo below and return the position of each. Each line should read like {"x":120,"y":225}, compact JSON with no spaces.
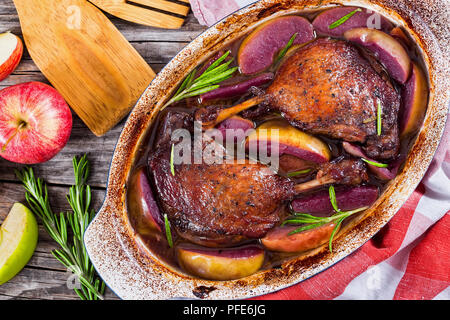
{"x":409,"y":258}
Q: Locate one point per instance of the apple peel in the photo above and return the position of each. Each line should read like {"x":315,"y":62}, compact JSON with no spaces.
{"x":35,"y":123}
{"x":290,"y":141}
{"x":388,"y":51}
{"x":11,"y":51}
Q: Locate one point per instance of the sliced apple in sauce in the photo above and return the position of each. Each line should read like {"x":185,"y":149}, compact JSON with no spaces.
{"x":415,"y":98}
{"x":141,"y":201}
{"x":361,"y":18}
{"x":347,"y":198}
{"x":386,"y":49}
{"x":279,"y":239}
{"x":259,"y":49}
{"x":236,"y":128}
{"x":220,"y":264}
{"x":290,"y":141}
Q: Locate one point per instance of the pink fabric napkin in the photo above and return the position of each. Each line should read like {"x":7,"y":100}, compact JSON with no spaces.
{"x":409,"y":258}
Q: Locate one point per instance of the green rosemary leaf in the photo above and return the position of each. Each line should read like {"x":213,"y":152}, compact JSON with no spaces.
{"x":337,"y":23}
{"x":297,"y":173}
{"x":218,"y":61}
{"x":201,"y":91}
{"x":333,"y":199}
{"x":215,"y":71}
{"x":286,"y":47}
{"x":299,"y":221}
{"x":72,"y":254}
{"x":311,"y":222}
{"x":376,"y":164}
{"x":299,"y":215}
{"x":168,"y":232}
{"x":333,"y":233}
{"x":215,"y":78}
{"x":379,"y":114}
{"x":306,"y":227}
{"x":187,"y":80}
{"x":208,"y":81}
{"x":172,"y":153}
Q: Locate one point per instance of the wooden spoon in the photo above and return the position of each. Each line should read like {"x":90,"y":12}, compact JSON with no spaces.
{"x":140,"y":11}
{"x":85,"y":58}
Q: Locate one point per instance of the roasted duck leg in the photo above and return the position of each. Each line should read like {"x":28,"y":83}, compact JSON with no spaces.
{"x":224,"y":204}
{"x":328,"y":88}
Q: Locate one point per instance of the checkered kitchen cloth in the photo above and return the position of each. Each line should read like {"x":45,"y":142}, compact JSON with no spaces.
{"x":409,"y":258}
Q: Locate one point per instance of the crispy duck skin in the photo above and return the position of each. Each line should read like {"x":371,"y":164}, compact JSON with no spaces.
{"x":224,"y":204}
{"x":219,"y":204}
{"x":328,"y":88}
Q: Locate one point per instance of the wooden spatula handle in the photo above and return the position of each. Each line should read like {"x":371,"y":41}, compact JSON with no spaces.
{"x":85,"y":58}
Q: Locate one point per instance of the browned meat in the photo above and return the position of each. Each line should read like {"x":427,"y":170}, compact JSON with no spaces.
{"x":219,"y":204}
{"x":328,"y":88}
{"x":224,"y":204}
{"x":348,"y":172}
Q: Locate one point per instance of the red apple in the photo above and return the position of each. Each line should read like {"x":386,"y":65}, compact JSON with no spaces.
{"x":35,"y":123}
{"x":11,"y":49}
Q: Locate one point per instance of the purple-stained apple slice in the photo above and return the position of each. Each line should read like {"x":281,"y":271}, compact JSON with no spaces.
{"x":220,"y":264}
{"x":258,"y":51}
{"x":318,"y":203}
{"x":141,"y":202}
{"x":387,"y":173}
{"x":235,"y":127}
{"x":415,"y":99}
{"x":387,"y":50}
{"x":237,"y":89}
{"x":290,"y":141}
{"x":278,"y":239}
{"x":362,"y":18}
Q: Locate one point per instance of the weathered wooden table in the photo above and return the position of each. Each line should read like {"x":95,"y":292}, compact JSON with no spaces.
{"x":44,"y":277}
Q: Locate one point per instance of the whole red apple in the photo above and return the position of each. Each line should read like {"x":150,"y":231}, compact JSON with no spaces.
{"x":35,"y":123}
{"x":11,"y":50}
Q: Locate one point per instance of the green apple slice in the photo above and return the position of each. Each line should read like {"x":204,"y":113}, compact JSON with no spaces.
{"x":18,"y":239}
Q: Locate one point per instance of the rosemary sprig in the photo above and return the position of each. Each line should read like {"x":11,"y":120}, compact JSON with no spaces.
{"x":337,"y":23}
{"x":311,"y":222}
{"x":168,"y":232}
{"x":298,"y":173}
{"x":72,"y":254}
{"x":379,"y":114}
{"x":209,"y":80}
{"x":286,"y":47}
{"x":376,"y":164}
{"x":172,"y":153}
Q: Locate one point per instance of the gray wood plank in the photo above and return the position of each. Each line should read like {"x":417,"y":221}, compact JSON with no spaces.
{"x":44,"y":277}
{"x":32,"y":283}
